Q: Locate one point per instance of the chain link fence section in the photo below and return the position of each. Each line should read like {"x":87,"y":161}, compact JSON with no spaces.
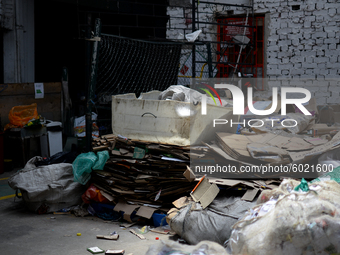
{"x":134,"y":66}
{"x":201,"y":64}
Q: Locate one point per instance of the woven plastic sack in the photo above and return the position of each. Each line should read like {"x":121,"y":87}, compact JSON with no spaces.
{"x":86,"y":162}
{"x":22,"y":114}
{"x":50,"y":187}
{"x":195,"y":224}
{"x":291,"y":222}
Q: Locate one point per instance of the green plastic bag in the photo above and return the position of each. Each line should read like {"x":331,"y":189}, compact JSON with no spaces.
{"x":103,"y":156}
{"x":86,"y":162}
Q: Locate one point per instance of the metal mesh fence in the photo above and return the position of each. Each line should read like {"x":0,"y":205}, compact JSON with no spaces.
{"x":201,"y":64}
{"x":133,"y":66}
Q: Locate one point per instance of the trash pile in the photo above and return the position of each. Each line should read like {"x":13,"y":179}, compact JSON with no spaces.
{"x":128,"y":177}
{"x":143,"y":172}
{"x":145,"y":176}
{"x":280,"y":148}
{"x":292,"y":219}
{"x":137,"y":178}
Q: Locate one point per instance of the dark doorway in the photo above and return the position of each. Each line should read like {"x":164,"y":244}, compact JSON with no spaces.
{"x":61,"y":26}
{"x":57,"y":43}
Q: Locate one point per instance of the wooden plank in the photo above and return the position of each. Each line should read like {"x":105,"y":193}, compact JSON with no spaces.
{"x":28,"y":88}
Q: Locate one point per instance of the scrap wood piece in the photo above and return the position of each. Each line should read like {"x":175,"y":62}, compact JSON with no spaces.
{"x":110,"y":136}
{"x":139,"y":235}
{"x":108,"y":237}
{"x":250,"y":195}
{"x":161,"y":230}
{"x":102,"y":147}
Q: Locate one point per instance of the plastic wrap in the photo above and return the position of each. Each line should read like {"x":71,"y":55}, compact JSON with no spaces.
{"x":22,"y":114}
{"x":184,"y":94}
{"x":80,"y":126}
{"x":330,"y":158}
{"x":93,"y":194}
{"x":193,"y":36}
{"x":60,"y":157}
{"x":174,"y":248}
{"x":290,"y":222}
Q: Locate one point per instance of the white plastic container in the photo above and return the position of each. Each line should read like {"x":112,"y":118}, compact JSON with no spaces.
{"x":166,"y":121}
{"x":54,"y":137}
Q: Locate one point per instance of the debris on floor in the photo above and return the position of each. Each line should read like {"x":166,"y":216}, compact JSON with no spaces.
{"x":150,"y":182}
{"x":140,"y":236}
{"x":115,"y":252}
{"x":108,"y":237}
{"x":174,"y":248}
{"x":95,"y":250}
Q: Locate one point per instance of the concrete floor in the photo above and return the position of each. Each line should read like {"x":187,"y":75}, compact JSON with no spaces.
{"x":24,"y":232}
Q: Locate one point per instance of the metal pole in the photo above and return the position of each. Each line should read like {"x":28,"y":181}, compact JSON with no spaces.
{"x":88,"y":129}
{"x":92,"y":83}
{"x":239,"y":54}
{"x":209,"y":60}
{"x":193,"y":11}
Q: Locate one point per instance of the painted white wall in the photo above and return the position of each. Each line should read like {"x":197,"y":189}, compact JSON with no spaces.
{"x":303,"y":44}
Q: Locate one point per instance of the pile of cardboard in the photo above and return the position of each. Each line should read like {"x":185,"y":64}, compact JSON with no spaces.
{"x":281,"y":148}
{"x":144,"y":177}
{"x":279,"y":145}
{"x":150,"y":176}
{"x":142,"y":173}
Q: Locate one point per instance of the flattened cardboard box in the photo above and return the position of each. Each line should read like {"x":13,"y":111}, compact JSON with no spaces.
{"x":305,"y":155}
{"x":189,"y":174}
{"x":143,"y":211}
{"x":250,"y":194}
{"x":205,"y":193}
{"x":146,"y":211}
{"x":127,"y":209}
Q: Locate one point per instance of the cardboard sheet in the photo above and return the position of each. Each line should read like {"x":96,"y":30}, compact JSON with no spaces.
{"x":250,"y":194}
{"x":334,"y":143}
{"x":127,"y":209}
{"x":146,"y":211}
{"x":205,"y":193}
